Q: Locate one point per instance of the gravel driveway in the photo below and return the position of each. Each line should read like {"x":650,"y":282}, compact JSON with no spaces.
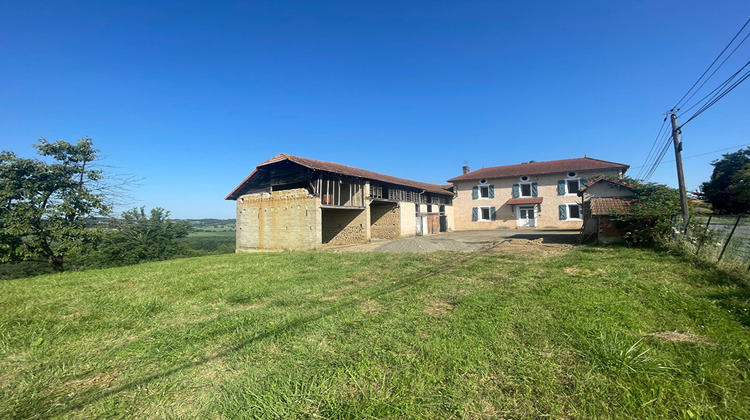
{"x":466,"y":240}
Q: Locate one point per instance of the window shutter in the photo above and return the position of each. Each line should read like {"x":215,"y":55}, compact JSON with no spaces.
{"x":493,"y":214}
{"x":475,"y":192}
{"x":475,"y":214}
{"x":516,"y":190}
{"x":534,"y":189}
{"x":492,"y":191}
{"x":561,"y":187}
{"x":581,"y":183}
{"x":563,"y":209}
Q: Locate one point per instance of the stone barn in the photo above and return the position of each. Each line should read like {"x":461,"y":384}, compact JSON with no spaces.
{"x":291,"y":202}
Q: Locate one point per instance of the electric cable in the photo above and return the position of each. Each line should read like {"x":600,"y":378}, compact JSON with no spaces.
{"x":714,"y":62}
{"x":650,"y":152}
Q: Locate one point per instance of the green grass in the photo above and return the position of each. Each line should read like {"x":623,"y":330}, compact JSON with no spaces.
{"x":446,"y":335}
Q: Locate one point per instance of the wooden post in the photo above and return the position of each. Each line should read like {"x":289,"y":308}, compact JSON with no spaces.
{"x":680,"y":176}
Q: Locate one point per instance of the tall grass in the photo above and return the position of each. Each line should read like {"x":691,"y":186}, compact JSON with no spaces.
{"x":591,"y":333}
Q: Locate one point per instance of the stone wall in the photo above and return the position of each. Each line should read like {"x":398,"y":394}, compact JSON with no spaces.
{"x":280,"y":220}
{"x":345,"y":227}
{"x":384,"y":221}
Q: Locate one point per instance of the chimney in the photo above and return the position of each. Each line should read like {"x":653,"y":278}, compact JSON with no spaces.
{"x":466,"y":169}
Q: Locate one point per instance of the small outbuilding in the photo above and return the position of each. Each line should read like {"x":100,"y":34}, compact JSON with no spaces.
{"x":291,"y":202}
{"x":603,"y":200}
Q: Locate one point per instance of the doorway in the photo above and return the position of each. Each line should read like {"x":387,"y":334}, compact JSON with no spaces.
{"x":526,"y":216}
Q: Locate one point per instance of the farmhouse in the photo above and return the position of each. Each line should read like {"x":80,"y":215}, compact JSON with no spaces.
{"x":291,"y":202}
{"x":536,"y":194}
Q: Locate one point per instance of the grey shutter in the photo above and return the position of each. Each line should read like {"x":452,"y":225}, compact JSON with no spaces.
{"x":475,"y":214}
{"x":492,"y":191}
{"x":563,"y":209}
{"x":493,"y":214}
{"x":475,"y":192}
{"x":561,"y":187}
{"x":516,"y":190}
{"x":534,"y":189}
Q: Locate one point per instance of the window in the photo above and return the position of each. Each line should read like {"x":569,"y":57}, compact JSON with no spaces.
{"x":568,"y":186}
{"x":483,"y":214}
{"x":574,"y":211}
{"x":429,"y":208}
{"x":570,"y":211}
{"x":527,"y":189}
{"x":483,"y":192}
{"x":572,"y":186}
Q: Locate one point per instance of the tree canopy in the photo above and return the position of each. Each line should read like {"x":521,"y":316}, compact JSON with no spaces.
{"x":138,"y":236}
{"x":729,"y":188}
{"x":45,"y":204}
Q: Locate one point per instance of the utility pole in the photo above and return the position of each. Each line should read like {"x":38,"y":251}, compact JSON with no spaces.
{"x":680,"y":175}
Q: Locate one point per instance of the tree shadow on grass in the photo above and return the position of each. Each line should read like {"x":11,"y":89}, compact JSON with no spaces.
{"x":92,"y":394}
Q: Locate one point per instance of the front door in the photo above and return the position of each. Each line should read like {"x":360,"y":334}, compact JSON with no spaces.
{"x":526,"y":217}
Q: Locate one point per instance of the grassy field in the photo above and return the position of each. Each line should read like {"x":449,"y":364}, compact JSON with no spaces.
{"x":587,"y":333}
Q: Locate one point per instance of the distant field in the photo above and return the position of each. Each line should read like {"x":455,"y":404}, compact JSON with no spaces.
{"x":586,"y":333}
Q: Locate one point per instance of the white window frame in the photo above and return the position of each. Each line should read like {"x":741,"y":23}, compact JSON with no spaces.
{"x":569,"y":179}
{"x":479,"y":213}
{"x":531,"y":191}
{"x":580,"y":212}
{"x":486,"y":187}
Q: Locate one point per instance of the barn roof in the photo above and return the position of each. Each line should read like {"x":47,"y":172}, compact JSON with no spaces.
{"x":338,"y":169}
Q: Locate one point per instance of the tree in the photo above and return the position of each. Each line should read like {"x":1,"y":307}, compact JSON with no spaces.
{"x":45,"y":205}
{"x":729,"y":188}
{"x":138,"y":237}
{"x":648,"y":220}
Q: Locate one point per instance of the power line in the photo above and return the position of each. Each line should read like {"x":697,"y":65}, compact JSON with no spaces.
{"x":699,"y":154}
{"x":716,"y":69}
{"x":704,"y":103}
{"x":714,"y":92}
{"x":650,"y":152}
{"x":717,"y":97}
{"x":712,"y":64}
{"x":659,"y":157}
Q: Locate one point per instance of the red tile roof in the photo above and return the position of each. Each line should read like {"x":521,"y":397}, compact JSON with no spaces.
{"x":608,"y":206}
{"x":339,"y":169}
{"x":539,"y":168}
{"x":535,"y":200}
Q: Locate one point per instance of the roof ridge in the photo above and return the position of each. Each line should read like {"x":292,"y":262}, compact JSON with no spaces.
{"x":556,"y":160}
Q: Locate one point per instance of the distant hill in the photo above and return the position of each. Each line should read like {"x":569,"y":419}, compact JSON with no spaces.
{"x":212,"y":225}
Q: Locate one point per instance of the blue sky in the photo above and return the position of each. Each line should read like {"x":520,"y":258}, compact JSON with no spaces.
{"x":191,"y":96}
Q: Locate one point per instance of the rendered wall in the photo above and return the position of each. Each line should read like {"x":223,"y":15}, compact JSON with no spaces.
{"x":450,"y":215}
{"x":384,"y":221}
{"x":547,"y":217}
{"x":408,"y":220}
{"x":280,"y":220}
{"x":606,"y":189}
